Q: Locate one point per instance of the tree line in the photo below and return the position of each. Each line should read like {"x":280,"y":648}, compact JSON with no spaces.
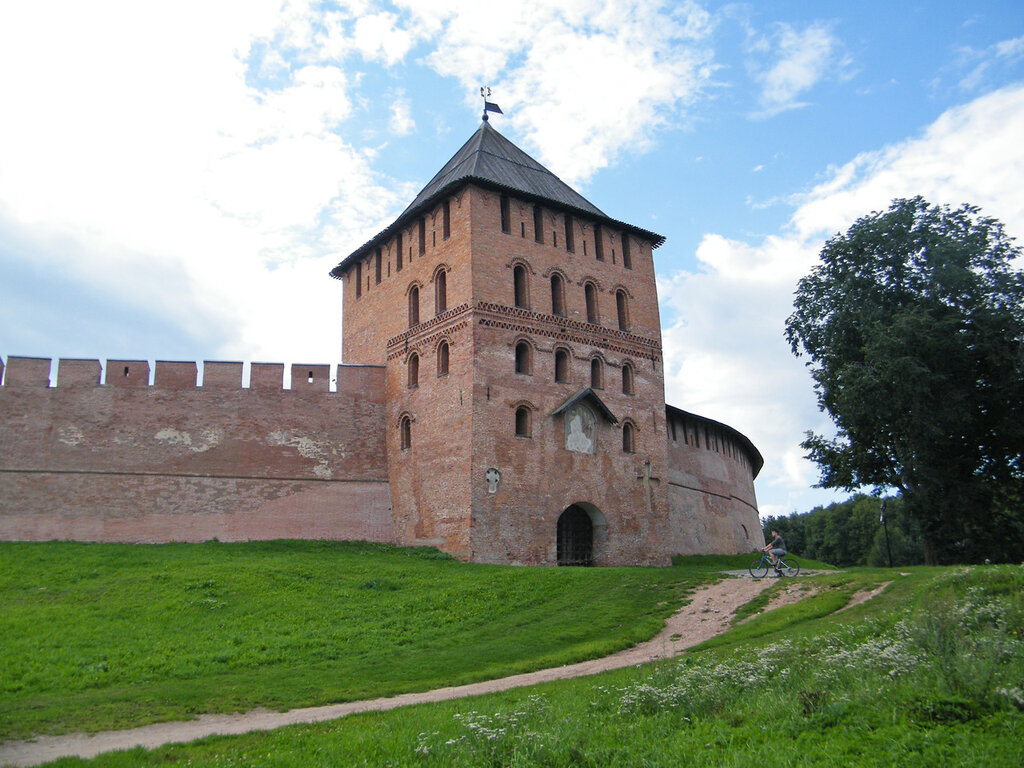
{"x":852,"y":532}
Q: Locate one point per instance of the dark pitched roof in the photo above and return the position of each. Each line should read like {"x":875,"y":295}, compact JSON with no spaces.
{"x":587,"y":394}
{"x":490,"y":157}
{"x":491,"y":160}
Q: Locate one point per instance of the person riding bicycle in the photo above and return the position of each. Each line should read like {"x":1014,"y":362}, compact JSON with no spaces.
{"x":775,"y":550}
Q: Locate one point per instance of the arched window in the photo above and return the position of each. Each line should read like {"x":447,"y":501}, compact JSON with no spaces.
{"x":557,"y":295}
{"x":628,"y":438}
{"x":622,"y":308}
{"x":561,"y":365}
{"x":440,"y":291}
{"x":627,"y":379}
{"x":524,"y":426}
{"x":538,"y":224}
{"x":413,"y":370}
{"x":596,"y":374}
{"x":590,"y":291}
{"x":524,"y":364}
{"x":414,"y":306}
{"x":442,"y":359}
{"x":521,"y":286}
{"x":405,"y":433}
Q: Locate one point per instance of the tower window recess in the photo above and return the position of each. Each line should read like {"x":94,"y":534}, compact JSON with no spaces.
{"x":524,"y":363}
{"x":596,"y":374}
{"x":414,"y":306}
{"x":557,"y":295}
{"x":423,"y":235}
{"x":440,"y":292}
{"x":398,"y":252}
{"x":598,"y":243}
{"x":570,"y":237}
{"x":405,"y":433}
{"x":627,"y":258}
{"x":442,"y":359}
{"x":521,"y":286}
{"x":524,"y":426}
{"x":538,"y":224}
{"x":622,"y":309}
{"x":413,"y":370}
{"x":628,"y":438}
{"x":627,"y":379}
{"x":590,"y":292}
{"x":359,"y":279}
{"x":561,"y":366}
{"x":376,"y":267}
{"x":446,"y":219}
{"x":506,"y":215}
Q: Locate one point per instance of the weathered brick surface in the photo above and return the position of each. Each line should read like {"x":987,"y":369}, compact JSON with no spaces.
{"x":463,"y":424}
{"x":128,"y":462}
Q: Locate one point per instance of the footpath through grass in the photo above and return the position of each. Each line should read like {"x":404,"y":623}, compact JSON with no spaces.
{"x":929,"y":673}
{"x":105,"y":636}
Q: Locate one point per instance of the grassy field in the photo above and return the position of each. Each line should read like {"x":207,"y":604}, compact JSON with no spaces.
{"x":931,"y":672}
{"x":102,"y":636}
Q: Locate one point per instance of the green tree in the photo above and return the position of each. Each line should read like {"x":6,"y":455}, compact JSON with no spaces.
{"x":913,"y":323}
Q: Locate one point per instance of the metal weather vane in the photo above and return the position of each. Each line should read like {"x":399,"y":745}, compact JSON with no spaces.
{"x":489,"y":106}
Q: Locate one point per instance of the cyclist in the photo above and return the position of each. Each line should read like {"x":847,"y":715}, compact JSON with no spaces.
{"x":775,"y":550}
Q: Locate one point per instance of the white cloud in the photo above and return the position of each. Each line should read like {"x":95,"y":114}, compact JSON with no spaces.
{"x":981,"y":62}
{"x":401,"y":123}
{"x":134,"y":133}
{"x":800,"y":59}
{"x":726,"y":357}
{"x":619,"y":69}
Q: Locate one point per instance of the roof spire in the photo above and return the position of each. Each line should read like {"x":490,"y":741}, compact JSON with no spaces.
{"x":489,"y":106}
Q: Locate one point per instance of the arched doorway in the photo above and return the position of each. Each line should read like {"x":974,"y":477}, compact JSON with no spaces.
{"x":575,"y":537}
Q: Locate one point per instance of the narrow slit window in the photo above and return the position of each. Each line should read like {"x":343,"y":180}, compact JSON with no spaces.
{"x":405,"y":432}
{"x":523,"y":358}
{"x":414,"y":306}
{"x":359,"y":279}
{"x":524,"y":428}
{"x":628,"y":438}
{"x":520,"y":287}
{"x":570,"y":235}
{"x":398,"y":253}
{"x":598,"y":243}
{"x":423,"y":235}
{"x":561,"y":366}
{"x":440,"y":292}
{"x":414,"y":371}
{"x":590,"y":293}
{"x":596,"y":374}
{"x":446,"y":219}
{"x":538,"y":224}
{"x":442,"y":359}
{"x":622,"y":309}
{"x":506,"y":215}
{"x":627,"y":258}
{"x":557,"y":295}
{"x":376,"y":266}
{"x":627,"y":380}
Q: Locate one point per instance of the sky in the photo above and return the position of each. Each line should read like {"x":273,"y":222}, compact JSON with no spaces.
{"x":177,"y":179}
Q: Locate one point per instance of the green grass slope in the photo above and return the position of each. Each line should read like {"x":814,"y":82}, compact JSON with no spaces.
{"x":104,"y":636}
{"x":930,"y":672}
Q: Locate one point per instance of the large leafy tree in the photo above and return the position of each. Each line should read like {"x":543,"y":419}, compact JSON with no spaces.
{"x":913,"y":323}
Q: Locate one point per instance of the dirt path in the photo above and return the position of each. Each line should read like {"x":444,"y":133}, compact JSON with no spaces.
{"x":707,"y":615}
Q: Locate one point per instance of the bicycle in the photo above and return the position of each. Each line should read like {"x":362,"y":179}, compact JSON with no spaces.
{"x":785,"y":566}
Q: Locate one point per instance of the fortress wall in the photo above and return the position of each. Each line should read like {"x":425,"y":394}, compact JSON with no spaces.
{"x":126,"y":461}
{"x":711,"y":488}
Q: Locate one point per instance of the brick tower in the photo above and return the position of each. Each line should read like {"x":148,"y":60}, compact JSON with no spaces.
{"x":519,"y":328}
